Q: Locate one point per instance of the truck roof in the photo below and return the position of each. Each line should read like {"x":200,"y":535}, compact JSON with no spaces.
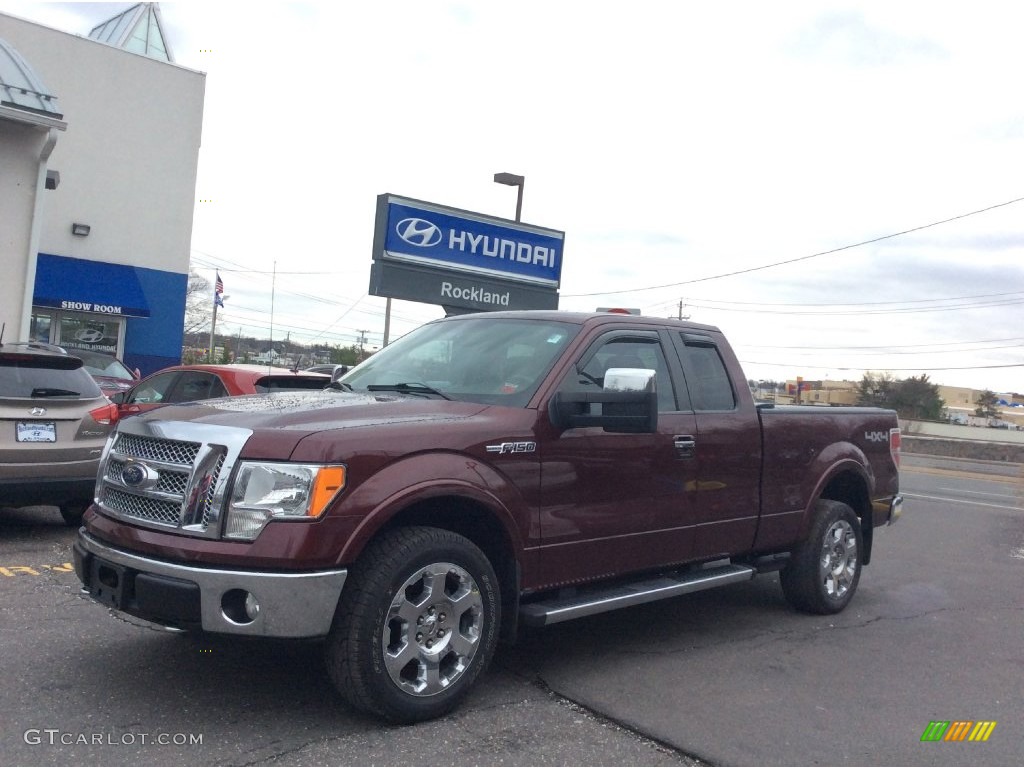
{"x":586,"y":318}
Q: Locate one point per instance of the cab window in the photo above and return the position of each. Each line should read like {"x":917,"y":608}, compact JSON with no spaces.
{"x":706,"y":377}
{"x":619,"y":351}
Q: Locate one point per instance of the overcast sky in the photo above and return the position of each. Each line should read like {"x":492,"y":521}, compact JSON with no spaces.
{"x":751,"y":165}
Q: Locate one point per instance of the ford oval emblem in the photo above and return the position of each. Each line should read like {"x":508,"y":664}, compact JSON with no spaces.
{"x":137,"y":475}
{"x":419,"y":232}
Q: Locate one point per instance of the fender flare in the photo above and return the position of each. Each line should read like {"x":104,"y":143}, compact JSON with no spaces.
{"x":464,"y":477}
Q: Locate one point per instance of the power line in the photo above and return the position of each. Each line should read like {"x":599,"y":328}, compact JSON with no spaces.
{"x":886,"y":368}
{"x":800,"y":258}
{"x":849,"y":313}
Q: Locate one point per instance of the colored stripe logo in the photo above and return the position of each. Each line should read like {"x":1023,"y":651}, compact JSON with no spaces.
{"x":958,"y":730}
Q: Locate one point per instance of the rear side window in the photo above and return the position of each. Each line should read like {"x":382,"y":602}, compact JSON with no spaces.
{"x":36,"y":376}
{"x":289,"y":383}
{"x":707,"y":379}
{"x":196,"y":385}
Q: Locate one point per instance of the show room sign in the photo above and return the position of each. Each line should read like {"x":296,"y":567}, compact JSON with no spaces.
{"x":463,"y":260}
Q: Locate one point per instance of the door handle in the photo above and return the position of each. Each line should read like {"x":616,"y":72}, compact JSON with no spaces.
{"x":686,"y":446}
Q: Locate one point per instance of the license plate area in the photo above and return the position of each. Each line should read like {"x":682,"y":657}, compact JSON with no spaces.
{"x":36,"y":432}
{"x":108,"y":583}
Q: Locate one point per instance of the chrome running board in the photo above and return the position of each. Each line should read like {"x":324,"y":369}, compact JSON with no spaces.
{"x":597,"y":600}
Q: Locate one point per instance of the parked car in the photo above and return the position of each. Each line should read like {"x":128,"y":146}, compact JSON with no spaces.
{"x":111,"y":374}
{"x":185,"y":383}
{"x":54,"y":421}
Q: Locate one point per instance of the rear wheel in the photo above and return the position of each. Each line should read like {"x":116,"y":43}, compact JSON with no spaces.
{"x":823,"y":573}
{"x":416,"y":625}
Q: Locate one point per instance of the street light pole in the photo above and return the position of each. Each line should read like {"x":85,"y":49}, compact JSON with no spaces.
{"x":513,"y":180}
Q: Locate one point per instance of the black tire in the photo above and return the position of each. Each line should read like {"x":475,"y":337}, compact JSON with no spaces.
{"x":72,"y":513}
{"x":823,"y":572}
{"x":416,"y":625}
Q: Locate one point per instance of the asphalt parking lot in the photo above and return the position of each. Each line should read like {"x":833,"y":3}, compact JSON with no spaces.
{"x":731,"y":676}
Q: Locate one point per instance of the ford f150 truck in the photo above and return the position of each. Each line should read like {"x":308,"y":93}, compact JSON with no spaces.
{"x":482,"y":472}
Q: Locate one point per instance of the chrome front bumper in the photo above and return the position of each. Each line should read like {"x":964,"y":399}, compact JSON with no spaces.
{"x":217,"y":600}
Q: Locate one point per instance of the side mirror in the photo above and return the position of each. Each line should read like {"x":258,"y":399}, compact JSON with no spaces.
{"x":628,"y":403}
{"x":119,"y":398}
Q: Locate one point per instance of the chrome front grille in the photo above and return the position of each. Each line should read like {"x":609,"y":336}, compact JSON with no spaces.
{"x":171,"y":451}
{"x":132,"y":505}
{"x":169,"y":475}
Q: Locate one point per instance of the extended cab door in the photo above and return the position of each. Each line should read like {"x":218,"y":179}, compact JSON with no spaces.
{"x":727,"y":447}
{"x":613,"y":503}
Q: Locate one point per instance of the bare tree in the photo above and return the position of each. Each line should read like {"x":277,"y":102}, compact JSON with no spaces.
{"x":198,"y":303}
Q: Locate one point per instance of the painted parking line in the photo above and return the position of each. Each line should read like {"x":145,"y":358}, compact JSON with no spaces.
{"x":965,"y":502}
{"x":10,"y":571}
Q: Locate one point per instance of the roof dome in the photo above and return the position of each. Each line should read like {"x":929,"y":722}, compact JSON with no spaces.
{"x":21,"y":87}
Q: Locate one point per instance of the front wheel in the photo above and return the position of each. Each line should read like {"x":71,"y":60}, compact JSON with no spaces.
{"x":416,"y":625}
{"x":824,"y":570}
{"x":73,"y":512}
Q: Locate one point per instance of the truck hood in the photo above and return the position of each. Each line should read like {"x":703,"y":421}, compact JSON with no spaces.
{"x":308,"y":412}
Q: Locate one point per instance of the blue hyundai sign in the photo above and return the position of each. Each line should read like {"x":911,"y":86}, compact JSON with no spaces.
{"x":423,"y":233}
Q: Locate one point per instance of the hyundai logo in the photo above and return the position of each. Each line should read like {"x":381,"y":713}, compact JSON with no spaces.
{"x":37,"y":411}
{"x":89,"y":335}
{"x":134,"y":474}
{"x":418,"y":232}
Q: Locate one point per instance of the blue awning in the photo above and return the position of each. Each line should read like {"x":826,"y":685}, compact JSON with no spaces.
{"x":81,"y":285}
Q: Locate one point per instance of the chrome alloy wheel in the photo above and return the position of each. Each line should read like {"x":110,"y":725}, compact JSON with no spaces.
{"x":839,"y":559}
{"x":433,"y":629}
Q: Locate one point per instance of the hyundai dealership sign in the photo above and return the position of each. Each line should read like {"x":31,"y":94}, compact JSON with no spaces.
{"x":463,"y":260}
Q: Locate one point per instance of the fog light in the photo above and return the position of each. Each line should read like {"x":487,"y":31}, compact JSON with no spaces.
{"x":239,"y":606}
{"x":252,"y":607}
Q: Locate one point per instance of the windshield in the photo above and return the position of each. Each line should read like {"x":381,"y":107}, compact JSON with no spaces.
{"x":483,"y":359}
{"x":99,"y":364}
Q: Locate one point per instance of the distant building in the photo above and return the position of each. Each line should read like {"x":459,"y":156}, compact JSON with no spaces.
{"x":99,"y":146}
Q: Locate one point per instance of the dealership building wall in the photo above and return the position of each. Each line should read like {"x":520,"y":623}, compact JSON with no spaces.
{"x":124,"y":166}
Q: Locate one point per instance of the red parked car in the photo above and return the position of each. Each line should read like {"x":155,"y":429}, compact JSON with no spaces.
{"x":185,"y":383}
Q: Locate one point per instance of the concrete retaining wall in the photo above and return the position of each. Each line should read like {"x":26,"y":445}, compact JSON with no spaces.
{"x":964,"y":449}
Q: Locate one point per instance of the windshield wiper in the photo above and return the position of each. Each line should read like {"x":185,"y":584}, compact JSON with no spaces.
{"x":407,"y":388}
{"x":340,"y":385}
{"x":50,"y":392}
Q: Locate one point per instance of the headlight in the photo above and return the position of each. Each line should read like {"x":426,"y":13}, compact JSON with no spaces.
{"x":265,"y":491}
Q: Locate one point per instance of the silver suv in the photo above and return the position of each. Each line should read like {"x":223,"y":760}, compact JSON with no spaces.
{"x":54,"y":421}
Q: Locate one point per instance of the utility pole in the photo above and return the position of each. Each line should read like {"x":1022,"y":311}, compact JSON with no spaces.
{"x":362,"y":341}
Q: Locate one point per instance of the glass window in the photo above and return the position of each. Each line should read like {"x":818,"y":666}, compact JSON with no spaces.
{"x":707,"y":379}
{"x":625,"y":352}
{"x":35,"y":376}
{"x":480,"y":359}
{"x":40,"y":326}
{"x":153,"y":390}
{"x":87,"y":332}
{"x":196,"y":385}
{"x":290,"y":383}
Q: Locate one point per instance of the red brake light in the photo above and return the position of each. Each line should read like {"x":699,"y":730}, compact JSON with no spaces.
{"x":895,"y":442}
{"x":105,"y":414}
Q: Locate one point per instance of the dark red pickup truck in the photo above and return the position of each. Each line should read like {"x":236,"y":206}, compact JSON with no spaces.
{"x":481,"y":472}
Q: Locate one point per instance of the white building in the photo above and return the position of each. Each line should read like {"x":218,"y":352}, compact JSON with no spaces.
{"x":99,"y":146}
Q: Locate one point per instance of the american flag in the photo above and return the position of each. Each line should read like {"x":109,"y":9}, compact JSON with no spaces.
{"x":220,"y":285}
{"x":217,"y":291}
